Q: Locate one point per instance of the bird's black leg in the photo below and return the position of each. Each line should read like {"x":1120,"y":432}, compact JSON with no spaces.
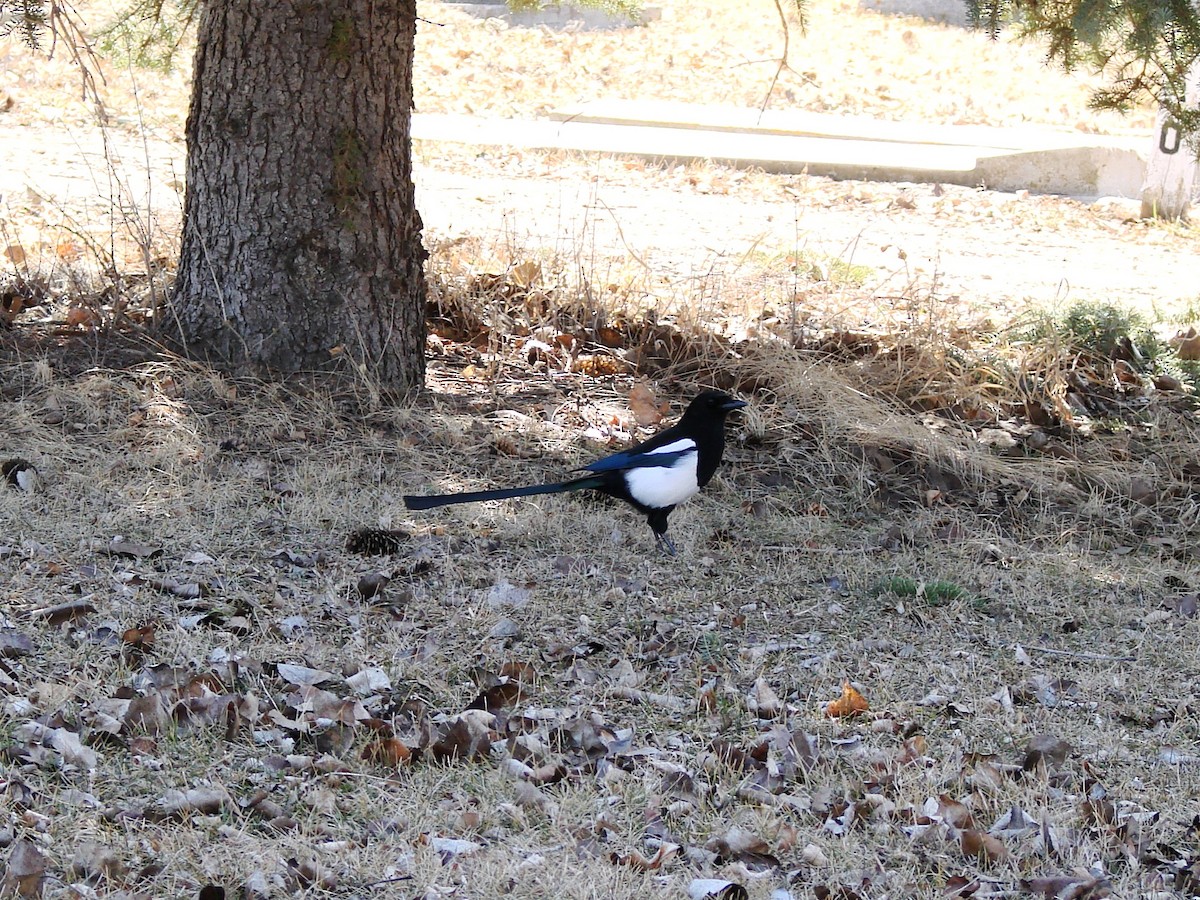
{"x":657,"y":519}
{"x":664,"y":543}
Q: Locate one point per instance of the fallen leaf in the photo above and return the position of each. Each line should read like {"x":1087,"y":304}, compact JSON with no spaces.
{"x":504,"y":593}
{"x":1172,"y":756}
{"x":503,"y":629}
{"x":960,"y":886}
{"x":525,"y":274}
{"x":738,"y":759}
{"x":955,"y":812}
{"x":68,"y":744}
{"x":1012,"y":823}
{"x":14,"y":643}
{"x":1185,"y":606}
{"x":1045,"y":750}
{"x":129,"y":549}
{"x":734,"y":842}
{"x":388,"y":751}
{"x":1067,"y":887}
{"x":814,"y":856}
{"x":97,"y":862}
{"x":706,"y":698}
{"x":851,"y":703}
{"x":982,"y":845}
{"x":369,"y":681}
{"x":716,"y":889}
{"x":303,"y":675}
{"x":610,"y":337}
{"x":25,"y":870}
{"x":449,"y":848}
{"x":205,"y":800}
{"x":519,"y":671}
{"x":1187,"y":344}
{"x":913,"y":750}
{"x":460,"y":741}
{"x":646,"y":409}
{"x":763,"y":701}
{"x":499,"y":696}
{"x":68,"y":251}
{"x":66,"y":612}
{"x":666,"y":851}
{"x":798,"y":751}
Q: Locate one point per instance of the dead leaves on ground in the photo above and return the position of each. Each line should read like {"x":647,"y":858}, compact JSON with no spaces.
{"x":779,"y":790}
{"x":850,"y":780}
{"x":519,"y":313}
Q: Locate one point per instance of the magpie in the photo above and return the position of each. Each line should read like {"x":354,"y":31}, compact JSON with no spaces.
{"x":653,"y":477}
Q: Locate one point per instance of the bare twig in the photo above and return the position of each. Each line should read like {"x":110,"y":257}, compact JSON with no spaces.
{"x":798,"y":548}
{"x":621,"y":235}
{"x":1083,"y":654}
{"x":663,"y":700}
{"x":65,"y":24}
{"x":782,"y":62}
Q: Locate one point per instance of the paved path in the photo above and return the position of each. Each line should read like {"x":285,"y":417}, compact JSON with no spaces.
{"x":981,"y":257}
{"x":991,"y":248}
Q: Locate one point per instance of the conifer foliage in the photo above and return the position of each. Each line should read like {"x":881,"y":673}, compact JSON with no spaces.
{"x":1146,"y":47}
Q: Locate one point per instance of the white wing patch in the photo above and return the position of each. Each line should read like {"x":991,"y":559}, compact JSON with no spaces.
{"x":659,"y":486}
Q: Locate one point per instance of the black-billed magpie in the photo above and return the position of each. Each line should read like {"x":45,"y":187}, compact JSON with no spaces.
{"x":653,"y":477}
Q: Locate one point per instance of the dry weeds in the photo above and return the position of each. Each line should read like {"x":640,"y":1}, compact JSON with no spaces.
{"x":188,"y":551}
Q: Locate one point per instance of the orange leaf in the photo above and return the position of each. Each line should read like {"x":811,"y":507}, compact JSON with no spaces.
{"x":851,"y":703}
{"x":140,"y":638}
{"x":388,"y":752}
{"x":983,"y":845}
{"x":77,"y":315}
{"x":68,"y":251}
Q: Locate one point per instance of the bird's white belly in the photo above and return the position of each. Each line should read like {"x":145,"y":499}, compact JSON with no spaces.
{"x":657,"y":487}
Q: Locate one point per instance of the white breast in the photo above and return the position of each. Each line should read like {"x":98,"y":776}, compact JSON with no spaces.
{"x":657,"y":487}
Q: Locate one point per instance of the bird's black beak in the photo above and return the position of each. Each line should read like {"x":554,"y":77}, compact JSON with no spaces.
{"x":731,"y":404}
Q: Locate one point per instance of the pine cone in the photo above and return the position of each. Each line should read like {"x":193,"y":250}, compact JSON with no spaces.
{"x":375,"y":541}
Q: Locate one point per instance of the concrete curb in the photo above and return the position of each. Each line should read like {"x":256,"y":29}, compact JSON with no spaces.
{"x":1041,"y":160}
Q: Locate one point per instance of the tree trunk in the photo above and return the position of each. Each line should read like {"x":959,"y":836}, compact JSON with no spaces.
{"x":301,"y":238}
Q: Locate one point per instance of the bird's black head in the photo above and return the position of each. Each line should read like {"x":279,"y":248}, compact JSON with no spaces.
{"x":713,"y":404}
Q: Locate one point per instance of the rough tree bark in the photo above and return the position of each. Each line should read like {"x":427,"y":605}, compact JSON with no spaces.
{"x":301,"y":238}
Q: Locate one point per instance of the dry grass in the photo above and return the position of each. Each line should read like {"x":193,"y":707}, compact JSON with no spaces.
{"x":806,"y":562}
{"x":867,"y":526}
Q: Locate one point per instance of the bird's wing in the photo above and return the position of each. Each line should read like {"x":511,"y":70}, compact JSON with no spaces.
{"x":639,"y":457}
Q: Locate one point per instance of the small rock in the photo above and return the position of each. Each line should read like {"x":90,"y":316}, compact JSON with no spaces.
{"x":1122,"y":209}
{"x":505,"y":628}
{"x":13,"y":644}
